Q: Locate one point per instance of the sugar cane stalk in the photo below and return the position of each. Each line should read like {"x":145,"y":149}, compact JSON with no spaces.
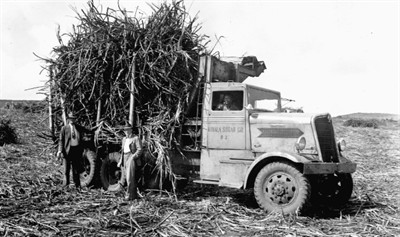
{"x":51,"y":124}
{"x":64,"y":114}
{"x":132,"y":95}
{"x":99,"y":105}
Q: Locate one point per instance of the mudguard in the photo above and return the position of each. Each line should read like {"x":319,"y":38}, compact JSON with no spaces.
{"x":268,"y":157}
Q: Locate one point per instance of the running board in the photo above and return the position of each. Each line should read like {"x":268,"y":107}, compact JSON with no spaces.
{"x":204,"y":181}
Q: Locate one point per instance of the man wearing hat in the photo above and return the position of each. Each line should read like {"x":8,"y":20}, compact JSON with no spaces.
{"x":130,"y":161}
{"x":71,"y":147}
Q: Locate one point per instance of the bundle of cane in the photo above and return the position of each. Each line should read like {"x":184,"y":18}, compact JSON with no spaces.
{"x":93,"y":72}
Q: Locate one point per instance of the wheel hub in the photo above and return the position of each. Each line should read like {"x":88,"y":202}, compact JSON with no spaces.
{"x":117,"y":174}
{"x":280,"y":188}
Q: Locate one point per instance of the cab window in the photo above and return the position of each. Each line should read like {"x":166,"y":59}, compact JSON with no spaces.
{"x":227,"y":100}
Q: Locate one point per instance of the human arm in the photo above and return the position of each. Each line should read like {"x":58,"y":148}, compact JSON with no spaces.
{"x":220,"y":107}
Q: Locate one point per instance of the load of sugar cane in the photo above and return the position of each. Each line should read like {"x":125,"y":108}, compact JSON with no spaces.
{"x":112,"y":54}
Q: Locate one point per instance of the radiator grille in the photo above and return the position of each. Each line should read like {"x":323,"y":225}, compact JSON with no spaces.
{"x":326,"y":139}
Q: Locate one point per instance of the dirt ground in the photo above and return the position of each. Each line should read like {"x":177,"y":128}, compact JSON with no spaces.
{"x":32,"y":202}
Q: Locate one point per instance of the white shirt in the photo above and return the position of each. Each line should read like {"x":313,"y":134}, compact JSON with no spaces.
{"x":128,"y":141}
{"x":74,"y":141}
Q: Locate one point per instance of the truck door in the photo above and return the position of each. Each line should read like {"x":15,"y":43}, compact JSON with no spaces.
{"x":226,"y":120}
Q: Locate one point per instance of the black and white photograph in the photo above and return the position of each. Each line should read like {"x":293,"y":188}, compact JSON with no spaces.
{"x":200,"y":118}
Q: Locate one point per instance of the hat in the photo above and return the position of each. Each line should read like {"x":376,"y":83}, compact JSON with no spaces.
{"x":71,"y":115}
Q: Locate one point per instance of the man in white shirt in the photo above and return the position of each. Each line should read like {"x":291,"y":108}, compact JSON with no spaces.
{"x":130,"y":162}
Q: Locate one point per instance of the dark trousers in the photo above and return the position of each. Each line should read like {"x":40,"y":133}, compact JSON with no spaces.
{"x":73,"y":158}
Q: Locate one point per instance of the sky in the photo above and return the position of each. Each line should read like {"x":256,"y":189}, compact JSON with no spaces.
{"x":329,"y":56}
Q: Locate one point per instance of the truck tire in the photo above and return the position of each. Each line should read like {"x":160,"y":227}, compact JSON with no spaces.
{"x":280,"y":187}
{"x":90,"y":166}
{"x":332,"y":190}
{"x":110,"y":173}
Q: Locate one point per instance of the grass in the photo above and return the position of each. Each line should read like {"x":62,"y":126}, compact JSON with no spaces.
{"x":32,"y":202}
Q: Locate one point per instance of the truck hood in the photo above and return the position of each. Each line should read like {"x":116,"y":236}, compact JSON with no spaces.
{"x":280,"y":131}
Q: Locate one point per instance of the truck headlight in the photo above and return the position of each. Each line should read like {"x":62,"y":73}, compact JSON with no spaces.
{"x":301,"y":144}
{"x":341,"y":144}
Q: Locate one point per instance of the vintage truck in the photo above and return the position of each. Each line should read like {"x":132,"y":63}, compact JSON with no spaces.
{"x":289,"y":159}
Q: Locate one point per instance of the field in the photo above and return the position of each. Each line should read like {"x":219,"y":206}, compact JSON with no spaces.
{"x":32,"y":202}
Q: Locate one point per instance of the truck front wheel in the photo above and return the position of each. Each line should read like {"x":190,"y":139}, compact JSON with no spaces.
{"x":333,"y":190}
{"x":280,"y":187}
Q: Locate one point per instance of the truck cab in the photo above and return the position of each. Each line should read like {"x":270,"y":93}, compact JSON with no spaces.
{"x":227,"y":134}
{"x":243,"y":140}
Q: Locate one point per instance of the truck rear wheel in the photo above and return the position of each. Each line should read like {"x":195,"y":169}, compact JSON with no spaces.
{"x":280,"y":187}
{"x":90,"y":166}
{"x":333,"y":190}
{"x":110,"y":173}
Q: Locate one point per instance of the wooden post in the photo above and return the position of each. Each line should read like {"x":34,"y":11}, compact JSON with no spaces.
{"x":132,"y":91}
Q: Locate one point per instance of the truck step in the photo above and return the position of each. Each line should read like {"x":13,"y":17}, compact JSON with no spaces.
{"x":204,"y":181}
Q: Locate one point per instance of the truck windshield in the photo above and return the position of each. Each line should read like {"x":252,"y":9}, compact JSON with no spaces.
{"x":264,"y":99}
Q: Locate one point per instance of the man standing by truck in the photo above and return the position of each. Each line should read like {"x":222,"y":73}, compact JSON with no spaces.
{"x":130,"y":161}
{"x":71,"y":148}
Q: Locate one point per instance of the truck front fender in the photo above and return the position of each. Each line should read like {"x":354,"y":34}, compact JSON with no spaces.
{"x":267,"y":158}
